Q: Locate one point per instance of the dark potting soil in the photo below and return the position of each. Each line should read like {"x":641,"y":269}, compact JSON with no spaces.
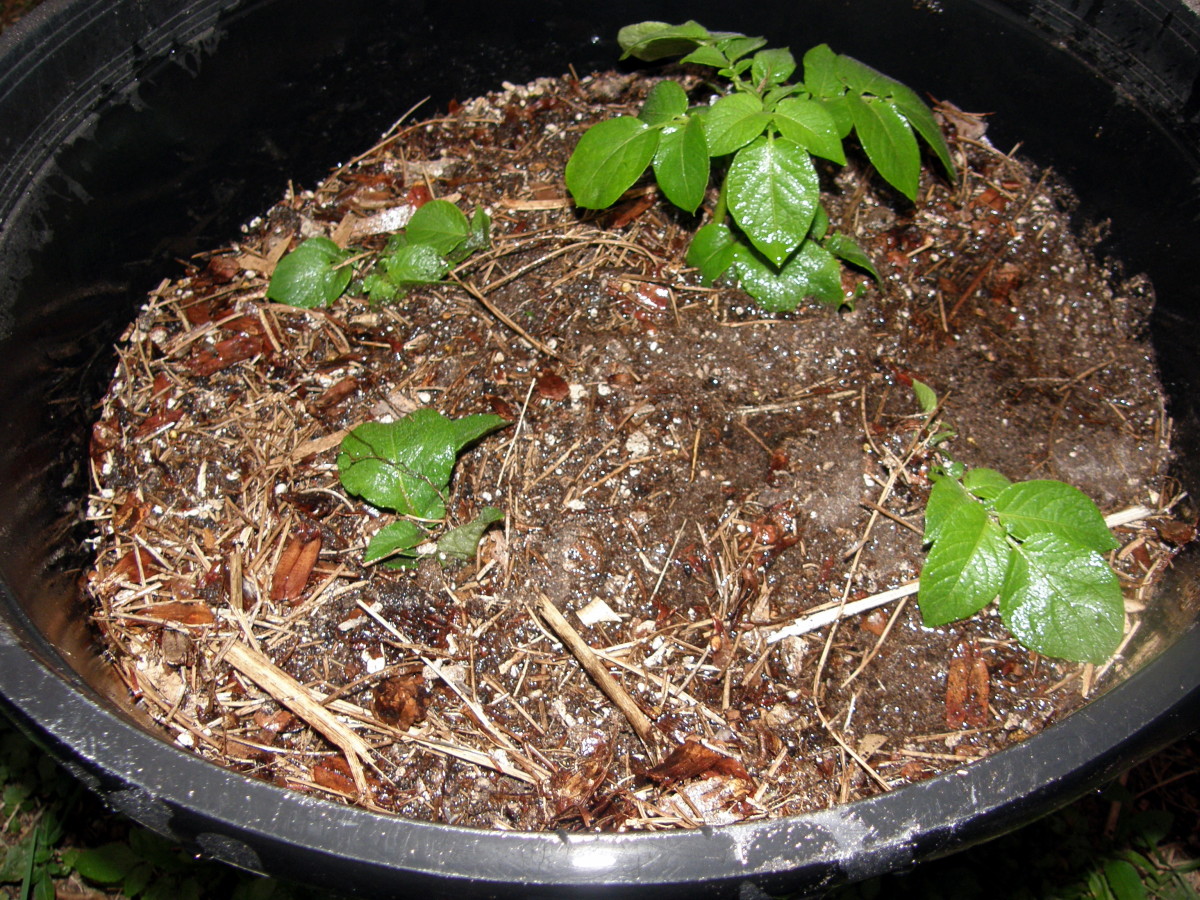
{"x":685,"y":479}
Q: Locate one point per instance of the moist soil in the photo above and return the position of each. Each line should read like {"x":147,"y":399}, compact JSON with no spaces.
{"x":685,"y":480}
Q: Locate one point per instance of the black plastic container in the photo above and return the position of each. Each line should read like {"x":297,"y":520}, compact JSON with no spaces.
{"x":137,"y":131}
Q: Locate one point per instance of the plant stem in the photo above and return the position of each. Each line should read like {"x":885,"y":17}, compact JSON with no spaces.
{"x":720,"y":210}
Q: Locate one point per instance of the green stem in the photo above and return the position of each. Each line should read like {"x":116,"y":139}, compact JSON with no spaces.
{"x":720,"y":210}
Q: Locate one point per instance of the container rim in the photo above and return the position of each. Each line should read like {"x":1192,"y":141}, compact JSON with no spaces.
{"x":165,"y":787}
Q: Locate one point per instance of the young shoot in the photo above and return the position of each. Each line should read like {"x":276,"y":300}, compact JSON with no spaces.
{"x":438,"y":237}
{"x":405,"y":466}
{"x":1036,"y":546}
{"x":769,"y":232}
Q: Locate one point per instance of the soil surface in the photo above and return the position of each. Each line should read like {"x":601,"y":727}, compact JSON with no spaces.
{"x":685,"y":481}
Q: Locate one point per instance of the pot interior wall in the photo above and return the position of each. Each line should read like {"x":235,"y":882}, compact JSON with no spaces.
{"x":181,"y":140}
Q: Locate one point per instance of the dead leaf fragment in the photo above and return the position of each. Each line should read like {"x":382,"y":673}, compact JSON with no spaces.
{"x":335,"y":775}
{"x":552,"y":387}
{"x":201,"y":312}
{"x":337,"y":393}
{"x":194,"y":613}
{"x":129,"y":515}
{"x":572,"y":789}
{"x":597,"y":611}
{"x":967,"y":689}
{"x":157,"y":421}
{"x":206,"y":361}
{"x":692,"y":759}
{"x":1175,"y":532}
{"x":875,"y":622}
{"x":136,"y":566}
{"x":630,"y":210}
{"x":223,"y":269}
{"x":400,"y":700}
{"x":106,"y":434}
{"x":177,"y":647}
{"x":295,"y":565}
{"x":276,"y":722}
{"x":968,"y":125}
{"x":719,"y":801}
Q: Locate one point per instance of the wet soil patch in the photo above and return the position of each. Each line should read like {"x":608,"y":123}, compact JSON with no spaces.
{"x":686,"y":483}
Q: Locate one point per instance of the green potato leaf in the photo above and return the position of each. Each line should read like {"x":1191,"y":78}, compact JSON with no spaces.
{"x":945,"y":498}
{"x":773,"y":193}
{"x":772,"y":67}
{"x":406,"y":465}
{"x":735,"y":46}
{"x":312,"y":275}
{"x":479,"y":237}
{"x":681,"y":164}
{"x":157,"y":850}
{"x":821,"y":73}
{"x":820,"y":225}
{"x":438,"y":224}
{"x":772,"y":97}
{"x":1031,"y":508}
{"x":1062,"y":600}
{"x":732,"y":122}
{"x":379,"y":288}
{"x":399,"y":538}
{"x":810,"y":272}
{"x":965,"y":568}
{"x":666,"y":102}
{"x":400,"y":543}
{"x":809,"y":124}
{"x":131,"y":886}
{"x":1124,"y":880}
{"x":712,"y":251}
{"x":608,"y":159}
{"x":888,"y":141}
{"x":846,"y":248}
{"x":839,"y":110}
{"x":984,"y":483}
{"x":926,"y":396}
{"x":414,"y":264}
{"x":921,"y":118}
{"x":650,"y":41}
{"x":106,"y":864}
{"x":707,"y":55}
{"x":462,"y":543}
{"x":862,"y":79}
{"x":741,"y":67}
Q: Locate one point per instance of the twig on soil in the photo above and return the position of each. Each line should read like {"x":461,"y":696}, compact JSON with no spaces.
{"x":884,"y":511}
{"x":853,"y":608}
{"x":870,"y":655}
{"x":471,"y":755}
{"x":549,"y":470}
{"x":389,"y":137}
{"x":506,"y":319}
{"x":295,"y":696}
{"x":535,"y":772}
{"x":516,"y":432}
{"x":591,"y":663}
{"x":610,"y":655}
{"x":1128,"y":516}
{"x":850,"y":751}
{"x":485,"y":723}
{"x":999,"y":254}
